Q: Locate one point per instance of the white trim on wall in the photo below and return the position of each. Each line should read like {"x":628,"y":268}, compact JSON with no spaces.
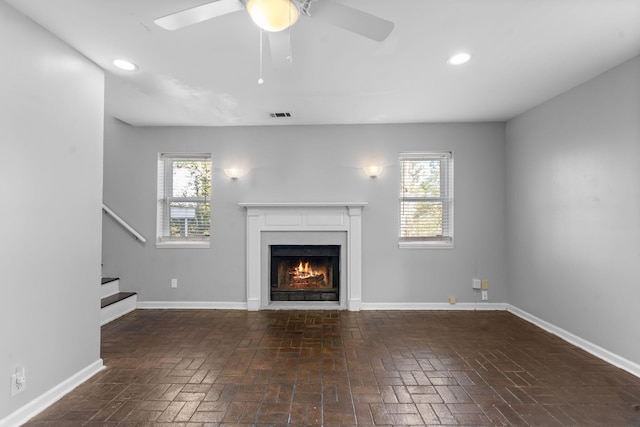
{"x":191,"y":305}
{"x":42,"y":402}
{"x":601,"y":353}
{"x":464,"y":306}
{"x":591,"y":348}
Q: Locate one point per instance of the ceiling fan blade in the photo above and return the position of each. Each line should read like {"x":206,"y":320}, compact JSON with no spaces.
{"x":280,"y":47}
{"x":197,"y":14}
{"x":351,"y":19}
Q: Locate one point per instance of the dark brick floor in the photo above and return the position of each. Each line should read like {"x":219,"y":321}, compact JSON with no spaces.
{"x":212,"y":367}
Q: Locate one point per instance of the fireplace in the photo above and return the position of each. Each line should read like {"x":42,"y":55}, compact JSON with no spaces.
{"x":305,"y":272}
{"x":305,"y":224}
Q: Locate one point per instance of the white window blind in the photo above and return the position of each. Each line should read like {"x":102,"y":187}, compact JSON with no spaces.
{"x":426,"y":199}
{"x":184,"y":200}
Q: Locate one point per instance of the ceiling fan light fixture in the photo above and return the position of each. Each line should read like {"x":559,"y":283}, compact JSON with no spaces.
{"x":273,"y":15}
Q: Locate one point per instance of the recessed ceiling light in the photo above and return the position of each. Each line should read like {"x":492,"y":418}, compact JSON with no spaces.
{"x":459,"y":58}
{"x":123,"y":64}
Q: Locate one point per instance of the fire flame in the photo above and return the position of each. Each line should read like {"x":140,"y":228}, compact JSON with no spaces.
{"x":305,"y":274}
{"x":304,"y":270}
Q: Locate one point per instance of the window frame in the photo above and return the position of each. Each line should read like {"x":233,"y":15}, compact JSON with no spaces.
{"x":164,"y":197}
{"x":446,"y":241}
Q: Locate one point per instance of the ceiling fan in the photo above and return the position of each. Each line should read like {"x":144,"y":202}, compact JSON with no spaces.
{"x":277,"y":15}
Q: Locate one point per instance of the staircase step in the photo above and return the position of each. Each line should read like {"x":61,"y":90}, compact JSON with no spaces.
{"x":112,"y":299}
{"x":117,"y":305}
{"x":109,"y":286}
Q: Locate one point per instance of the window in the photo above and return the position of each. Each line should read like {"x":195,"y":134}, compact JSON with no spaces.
{"x":184,"y":200}
{"x":426,"y":200}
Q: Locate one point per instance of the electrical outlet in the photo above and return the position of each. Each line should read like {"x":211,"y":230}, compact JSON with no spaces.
{"x":452,"y":300}
{"x":18,"y":381}
{"x":485,"y":295}
{"x":174,"y":283}
{"x":475,"y":284}
{"x":485,"y":284}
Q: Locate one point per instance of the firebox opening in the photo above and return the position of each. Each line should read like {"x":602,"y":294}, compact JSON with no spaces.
{"x":305,"y":272}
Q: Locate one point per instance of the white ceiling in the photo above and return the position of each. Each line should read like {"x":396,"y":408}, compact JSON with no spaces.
{"x":524,"y":52}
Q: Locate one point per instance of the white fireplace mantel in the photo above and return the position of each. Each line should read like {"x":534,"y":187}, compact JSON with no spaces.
{"x":304,"y":217}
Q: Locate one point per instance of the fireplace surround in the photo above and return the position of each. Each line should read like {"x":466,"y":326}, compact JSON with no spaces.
{"x":305,"y":224}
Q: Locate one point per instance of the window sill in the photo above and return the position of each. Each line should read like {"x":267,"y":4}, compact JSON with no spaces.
{"x":183,"y":245}
{"x":426,"y":245}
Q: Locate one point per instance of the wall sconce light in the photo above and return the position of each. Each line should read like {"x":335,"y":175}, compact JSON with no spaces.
{"x":234,"y":173}
{"x":373,"y":170}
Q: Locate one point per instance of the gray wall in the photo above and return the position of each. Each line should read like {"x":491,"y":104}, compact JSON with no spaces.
{"x":51,"y":125}
{"x":309,"y":163}
{"x":573,"y":191}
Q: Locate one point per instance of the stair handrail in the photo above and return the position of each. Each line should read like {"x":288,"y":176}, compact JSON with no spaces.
{"x":123,"y":223}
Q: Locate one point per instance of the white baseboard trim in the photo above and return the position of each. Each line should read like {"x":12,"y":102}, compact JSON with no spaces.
{"x":221,"y":305}
{"x":463,"y":306}
{"x":601,"y":353}
{"x":253,"y":304}
{"x":45,"y":400}
{"x":191,"y":305}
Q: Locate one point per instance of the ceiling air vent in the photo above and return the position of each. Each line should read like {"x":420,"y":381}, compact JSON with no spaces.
{"x":279,"y":115}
